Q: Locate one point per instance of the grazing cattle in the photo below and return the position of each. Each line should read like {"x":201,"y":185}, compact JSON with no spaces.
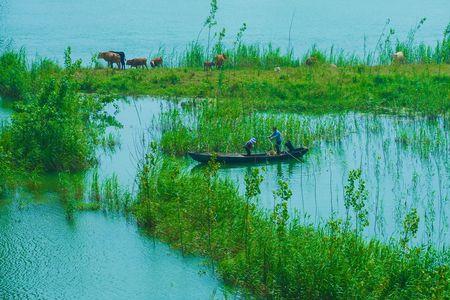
{"x":122,"y":58}
{"x":137,"y":62}
{"x":398,"y":57}
{"x":311,"y":61}
{"x":156,"y":62}
{"x":277,"y":69}
{"x":220,"y":60}
{"x":207,"y":65}
{"x":111,"y":58}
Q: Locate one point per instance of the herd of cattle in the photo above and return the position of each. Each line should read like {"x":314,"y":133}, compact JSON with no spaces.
{"x":118,"y":58}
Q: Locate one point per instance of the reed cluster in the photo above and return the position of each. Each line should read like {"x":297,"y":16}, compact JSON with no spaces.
{"x":207,"y":126}
{"x":274,"y":254}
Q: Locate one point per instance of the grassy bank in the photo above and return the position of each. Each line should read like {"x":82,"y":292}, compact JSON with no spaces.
{"x":319,"y":81}
{"x":275,"y":255}
{"x":423,"y":88}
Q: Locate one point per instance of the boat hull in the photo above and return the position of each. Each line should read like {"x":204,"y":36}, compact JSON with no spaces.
{"x":254,"y":158}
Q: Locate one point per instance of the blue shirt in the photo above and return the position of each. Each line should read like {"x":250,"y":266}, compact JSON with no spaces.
{"x":277,"y":136}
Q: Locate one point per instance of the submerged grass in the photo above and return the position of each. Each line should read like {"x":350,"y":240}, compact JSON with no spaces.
{"x":274,"y":254}
{"x":216,"y":127}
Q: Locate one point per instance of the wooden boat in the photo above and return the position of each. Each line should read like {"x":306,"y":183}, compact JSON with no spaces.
{"x":254,"y":158}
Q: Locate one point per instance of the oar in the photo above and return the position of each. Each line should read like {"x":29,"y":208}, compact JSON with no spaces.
{"x":293,"y":156}
{"x":285,"y":151}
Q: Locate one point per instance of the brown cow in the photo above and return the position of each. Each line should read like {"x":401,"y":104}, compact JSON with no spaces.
{"x":207,"y":65}
{"x":111,"y":58}
{"x":311,"y":61}
{"x":220,"y":60}
{"x":156,"y":62}
{"x":137,"y":62}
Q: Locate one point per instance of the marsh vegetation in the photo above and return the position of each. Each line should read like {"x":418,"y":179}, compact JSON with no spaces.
{"x":377,"y":130}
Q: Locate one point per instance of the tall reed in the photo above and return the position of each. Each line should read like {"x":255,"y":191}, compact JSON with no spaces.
{"x":275,"y":254}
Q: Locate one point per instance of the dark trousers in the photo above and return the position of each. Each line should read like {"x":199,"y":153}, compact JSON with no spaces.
{"x":248,"y":150}
{"x":278,"y":148}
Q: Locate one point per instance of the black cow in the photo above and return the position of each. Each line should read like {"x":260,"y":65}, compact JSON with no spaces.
{"x":122,"y":58}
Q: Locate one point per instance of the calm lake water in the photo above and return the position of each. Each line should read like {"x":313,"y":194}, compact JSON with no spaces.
{"x":139,"y":27}
{"x":43,"y":255}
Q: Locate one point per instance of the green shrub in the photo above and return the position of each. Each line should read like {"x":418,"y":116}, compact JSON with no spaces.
{"x":56,"y":130}
{"x":15,"y":79}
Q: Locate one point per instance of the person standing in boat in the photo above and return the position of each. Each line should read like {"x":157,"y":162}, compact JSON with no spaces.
{"x":249,"y":146}
{"x":276,"y":135}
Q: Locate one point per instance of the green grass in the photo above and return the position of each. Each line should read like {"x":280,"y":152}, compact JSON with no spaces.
{"x":19,"y":78}
{"x":415,"y":88}
{"x":216,"y":127}
{"x":275,"y":255}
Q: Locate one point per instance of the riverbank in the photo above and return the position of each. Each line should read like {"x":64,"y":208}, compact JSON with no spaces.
{"x":296,"y":87}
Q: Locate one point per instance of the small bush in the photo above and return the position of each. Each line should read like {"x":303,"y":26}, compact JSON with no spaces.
{"x":56,"y":130}
{"x":15,"y":79}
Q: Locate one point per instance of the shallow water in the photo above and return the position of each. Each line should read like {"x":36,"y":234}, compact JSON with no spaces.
{"x":95,"y":256}
{"x":135,"y":116}
{"x":398,"y":177}
{"x":139,"y":27}
{"x":43,"y":256}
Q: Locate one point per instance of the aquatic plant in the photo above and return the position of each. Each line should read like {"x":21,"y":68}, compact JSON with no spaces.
{"x":253,"y":180}
{"x":71,"y":188}
{"x":57,"y":129}
{"x":284,"y":258}
{"x":410,"y":227}
{"x":267,"y":56}
{"x":15,"y":79}
{"x":113,"y":197}
{"x":20,"y":78}
{"x":355,"y":197}
{"x":218,"y":127}
{"x":108,"y":194}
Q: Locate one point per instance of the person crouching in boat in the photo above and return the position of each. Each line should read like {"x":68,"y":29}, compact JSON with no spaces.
{"x":249,"y":146}
{"x":276,"y":135}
